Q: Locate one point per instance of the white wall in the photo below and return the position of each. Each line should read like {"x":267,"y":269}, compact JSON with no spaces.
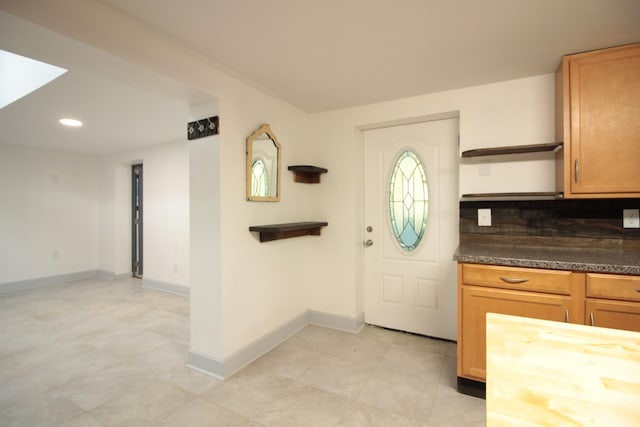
{"x":166,"y":212}
{"x":242,"y":289}
{"x":65,"y":213}
{"x":48,"y":213}
{"x":247,"y":289}
{"x":506,"y":113}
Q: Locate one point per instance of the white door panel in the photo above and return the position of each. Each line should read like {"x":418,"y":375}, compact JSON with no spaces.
{"x":413,"y":290}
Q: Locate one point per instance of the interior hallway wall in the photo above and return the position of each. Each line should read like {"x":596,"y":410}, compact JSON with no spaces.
{"x":48,"y":213}
{"x":166,"y":212}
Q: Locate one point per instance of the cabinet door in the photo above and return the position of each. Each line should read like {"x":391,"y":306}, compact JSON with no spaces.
{"x":604,"y":108}
{"x":476,"y":302}
{"x":613,"y":314}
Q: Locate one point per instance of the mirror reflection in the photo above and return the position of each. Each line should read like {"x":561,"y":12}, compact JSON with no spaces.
{"x":263,"y":166}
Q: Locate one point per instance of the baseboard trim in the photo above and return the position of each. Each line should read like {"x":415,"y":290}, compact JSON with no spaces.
{"x":171,"y":288}
{"x":251,"y":352}
{"x":109,"y":275}
{"x":205,"y":364}
{"x":40,"y":282}
{"x":334,"y":321}
{"x":103,"y":274}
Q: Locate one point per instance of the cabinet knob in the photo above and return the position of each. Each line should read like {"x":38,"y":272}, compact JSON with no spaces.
{"x":368,"y":243}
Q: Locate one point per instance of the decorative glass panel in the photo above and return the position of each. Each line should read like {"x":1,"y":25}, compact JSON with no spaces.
{"x":408,"y":200}
{"x":259,"y":179}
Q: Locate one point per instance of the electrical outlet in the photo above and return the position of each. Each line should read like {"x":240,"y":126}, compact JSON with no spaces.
{"x":484,"y":169}
{"x":631,"y":218}
{"x":484,"y":217}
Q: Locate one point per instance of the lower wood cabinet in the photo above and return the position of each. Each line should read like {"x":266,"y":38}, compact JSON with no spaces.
{"x":606,"y":300}
{"x":477,"y":302}
{"x":613,"y":301}
{"x":613,"y":314}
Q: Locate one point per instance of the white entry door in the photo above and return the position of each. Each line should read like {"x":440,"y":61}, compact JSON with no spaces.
{"x":409,"y":273}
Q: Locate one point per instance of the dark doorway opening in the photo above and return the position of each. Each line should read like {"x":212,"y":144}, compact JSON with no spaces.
{"x":136,"y":220}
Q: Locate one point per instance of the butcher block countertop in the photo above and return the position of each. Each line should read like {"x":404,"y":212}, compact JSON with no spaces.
{"x":550,"y":257}
{"x":543,"y":373}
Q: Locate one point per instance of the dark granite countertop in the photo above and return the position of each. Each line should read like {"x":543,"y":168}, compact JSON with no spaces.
{"x":554,"y":258}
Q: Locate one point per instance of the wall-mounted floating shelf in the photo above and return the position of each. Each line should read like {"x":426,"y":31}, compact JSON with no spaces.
{"x":514,"y":149}
{"x":307,"y":174}
{"x":511,"y":196}
{"x":285,"y":231}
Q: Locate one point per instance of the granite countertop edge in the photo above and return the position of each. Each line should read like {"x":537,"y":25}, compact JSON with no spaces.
{"x":592,"y":261}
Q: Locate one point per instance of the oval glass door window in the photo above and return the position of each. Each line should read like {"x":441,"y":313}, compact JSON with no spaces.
{"x":408,"y":200}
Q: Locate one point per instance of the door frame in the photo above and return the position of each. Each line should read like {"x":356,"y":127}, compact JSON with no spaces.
{"x":137,"y":227}
{"x":359,"y":197}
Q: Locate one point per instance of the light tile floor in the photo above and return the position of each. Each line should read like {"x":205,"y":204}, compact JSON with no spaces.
{"x":111,"y":353}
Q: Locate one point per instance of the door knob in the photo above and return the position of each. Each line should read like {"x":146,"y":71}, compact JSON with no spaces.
{"x":368,"y":243}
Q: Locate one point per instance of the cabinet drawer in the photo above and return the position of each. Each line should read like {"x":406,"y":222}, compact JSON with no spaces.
{"x":611,"y":286}
{"x":526,"y":279}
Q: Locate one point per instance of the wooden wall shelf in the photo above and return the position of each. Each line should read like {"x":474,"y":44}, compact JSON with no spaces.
{"x":524,"y":196}
{"x":285,"y":231}
{"x":307,"y":174}
{"x":514,"y":149}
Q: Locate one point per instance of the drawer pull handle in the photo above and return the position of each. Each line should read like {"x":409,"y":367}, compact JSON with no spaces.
{"x":513,"y":280}
{"x":566,"y":316}
{"x":592,"y":319}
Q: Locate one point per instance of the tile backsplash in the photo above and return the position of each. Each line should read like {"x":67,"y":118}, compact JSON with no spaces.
{"x":571,"y":223}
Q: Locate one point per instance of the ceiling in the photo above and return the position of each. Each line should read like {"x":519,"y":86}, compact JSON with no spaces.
{"x":316,"y":55}
{"x":122,"y":106}
{"x":330,"y":54}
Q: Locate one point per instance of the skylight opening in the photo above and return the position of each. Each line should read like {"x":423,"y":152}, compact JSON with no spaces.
{"x":19,"y":76}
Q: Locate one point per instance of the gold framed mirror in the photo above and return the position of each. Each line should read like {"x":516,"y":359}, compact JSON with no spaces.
{"x":263,"y":166}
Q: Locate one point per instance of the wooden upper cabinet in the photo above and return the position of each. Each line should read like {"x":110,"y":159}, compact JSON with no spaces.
{"x":598,"y":118}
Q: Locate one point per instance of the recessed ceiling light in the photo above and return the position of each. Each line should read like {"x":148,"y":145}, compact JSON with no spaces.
{"x":71,"y":122}
{"x":20,"y":75}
